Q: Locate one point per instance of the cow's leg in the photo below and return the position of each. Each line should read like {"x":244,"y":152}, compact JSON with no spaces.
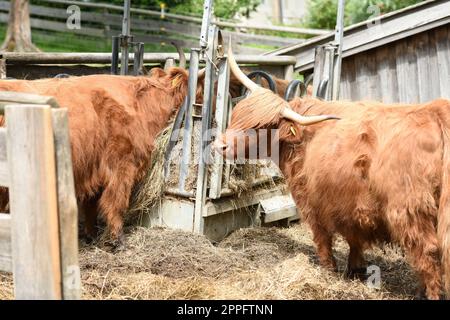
{"x":419,"y":240}
{"x":324,"y":245}
{"x":424,"y":259}
{"x":90,"y":209}
{"x":356,"y":266}
{"x":4,"y":200}
{"x":115,"y":199}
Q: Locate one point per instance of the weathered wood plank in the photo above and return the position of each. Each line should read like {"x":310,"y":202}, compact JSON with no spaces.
{"x":373,"y":78}
{"x":388,"y":76}
{"x":5,"y":243}
{"x":33,"y":203}
{"x":427,"y":67}
{"x":4,"y":170}
{"x":348,"y":78}
{"x":10,"y":97}
{"x":67,"y":207}
{"x":443,"y":57}
{"x":406,"y":72}
{"x":360,"y":92}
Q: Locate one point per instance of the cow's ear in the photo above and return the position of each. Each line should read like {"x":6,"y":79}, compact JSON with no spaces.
{"x":157,"y":73}
{"x":178,"y":78}
{"x":178,"y":82}
{"x":290,"y":132}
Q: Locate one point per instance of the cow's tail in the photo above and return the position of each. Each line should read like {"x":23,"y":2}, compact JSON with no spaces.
{"x":444,"y":202}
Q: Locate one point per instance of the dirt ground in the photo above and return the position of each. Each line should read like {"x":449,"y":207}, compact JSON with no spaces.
{"x":261,"y":263}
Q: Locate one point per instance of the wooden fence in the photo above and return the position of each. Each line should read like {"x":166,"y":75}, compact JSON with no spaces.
{"x":38,"y":240}
{"x":103,"y":21}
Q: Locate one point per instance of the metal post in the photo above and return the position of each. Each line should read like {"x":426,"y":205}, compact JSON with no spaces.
{"x":138,"y":58}
{"x":115,"y":55}
{"x":207,"y":13}
{"x":206,"y":132}
{"x":126,"y":31}
{"x":187,"y":134}
{"x":339,"y":40}
{"x":174,"y":135}
{"x":221,"y":117}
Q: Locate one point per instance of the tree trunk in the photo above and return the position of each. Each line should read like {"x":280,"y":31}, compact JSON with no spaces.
{"x":18,"y":36}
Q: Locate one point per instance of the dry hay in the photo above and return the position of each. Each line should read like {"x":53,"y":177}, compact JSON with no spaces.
{"x":259,"y":263}
{"x":147,"y":193}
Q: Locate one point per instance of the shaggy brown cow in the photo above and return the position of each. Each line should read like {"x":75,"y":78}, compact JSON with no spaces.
{"x":381,"y":174}
{"x":113,"y":122}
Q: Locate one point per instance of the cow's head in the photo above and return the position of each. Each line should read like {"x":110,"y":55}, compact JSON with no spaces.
{"x":260,"y":121}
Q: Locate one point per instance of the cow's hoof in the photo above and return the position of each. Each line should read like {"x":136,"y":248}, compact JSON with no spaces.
{"x":116,"y":244}
{"x":356,"y":274}
{"x":88,"y":239}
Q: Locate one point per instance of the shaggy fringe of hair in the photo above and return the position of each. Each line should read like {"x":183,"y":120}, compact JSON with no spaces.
{"x":260,"y":109}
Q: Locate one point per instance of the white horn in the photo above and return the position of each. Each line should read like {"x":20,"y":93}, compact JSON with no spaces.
{"x":290,"y":114}
{"x":249,"y":84}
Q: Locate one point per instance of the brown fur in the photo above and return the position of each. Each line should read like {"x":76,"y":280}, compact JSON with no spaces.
{"x":381,"y":174}
{"x":113,"y":123}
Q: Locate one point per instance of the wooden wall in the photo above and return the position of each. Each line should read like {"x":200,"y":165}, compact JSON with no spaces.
{"x":411,"y":70}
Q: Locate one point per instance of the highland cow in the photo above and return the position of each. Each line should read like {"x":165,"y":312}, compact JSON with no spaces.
{"x":113,"y":123}
{"x":380,"y":174}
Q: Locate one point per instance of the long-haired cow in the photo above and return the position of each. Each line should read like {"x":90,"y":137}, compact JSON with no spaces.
{"x":380,"y":174}
{"x":113,"y":122}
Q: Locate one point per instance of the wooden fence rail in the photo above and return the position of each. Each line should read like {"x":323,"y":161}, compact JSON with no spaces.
{"x":146,"y":27}
{"x":38,"y":240}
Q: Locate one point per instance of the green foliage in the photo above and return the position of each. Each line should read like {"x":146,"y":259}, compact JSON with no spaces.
{"x":151,"y":4}
{"x":226,"y":9}
{"x":322,"y":13}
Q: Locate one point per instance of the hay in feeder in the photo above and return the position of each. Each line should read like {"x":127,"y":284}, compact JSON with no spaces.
{"x":257,"y":263}
{"x":149,"y":191}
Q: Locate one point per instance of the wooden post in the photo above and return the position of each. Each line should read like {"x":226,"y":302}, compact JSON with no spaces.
{"x":2,"y":67}
{"x":33,"y":201}
{"x":67,"y":207}
{"x":170,"y":63}
{"x":289,"y":72}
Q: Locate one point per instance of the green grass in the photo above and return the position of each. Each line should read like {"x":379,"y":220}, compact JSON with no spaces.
{"x":69,"y":42}
{"x":261,"y":46}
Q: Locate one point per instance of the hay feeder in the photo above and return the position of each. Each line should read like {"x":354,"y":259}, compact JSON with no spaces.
{"x":201,"y":193}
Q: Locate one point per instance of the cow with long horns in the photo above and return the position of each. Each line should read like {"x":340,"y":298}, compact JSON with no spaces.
{"x":380,"y":174}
